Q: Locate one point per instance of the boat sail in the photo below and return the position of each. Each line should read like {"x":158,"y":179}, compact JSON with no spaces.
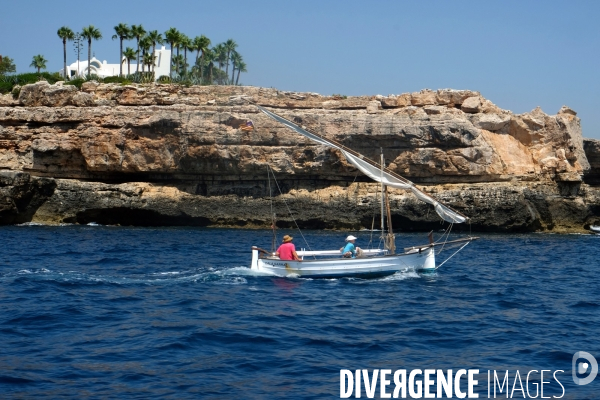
{"x":372,"y":262}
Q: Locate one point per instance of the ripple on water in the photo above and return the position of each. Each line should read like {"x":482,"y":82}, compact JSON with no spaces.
{"x":175,"y":312}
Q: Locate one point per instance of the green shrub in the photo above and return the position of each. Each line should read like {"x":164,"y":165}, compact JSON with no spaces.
{"x":7,"y":82}
{"x":116,"y":79}
{"x":164,"y":79}
{"x":5,"y":87}
{"x":141,"y":77}
{"x":76,"y":82}
{"x":16,"y":90}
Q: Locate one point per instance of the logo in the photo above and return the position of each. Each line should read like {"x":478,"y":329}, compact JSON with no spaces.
{"x":583,"y":367}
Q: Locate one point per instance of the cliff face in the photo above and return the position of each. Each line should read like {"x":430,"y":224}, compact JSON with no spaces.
{"x":162,"y":154}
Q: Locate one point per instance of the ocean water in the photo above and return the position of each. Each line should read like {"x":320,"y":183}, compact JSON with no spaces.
{"x":113,"y":312}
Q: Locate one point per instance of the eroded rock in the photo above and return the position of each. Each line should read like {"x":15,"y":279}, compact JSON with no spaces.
{"x":471,"y":105}
{"x":492,"y":122}
{"x":190,"y":138}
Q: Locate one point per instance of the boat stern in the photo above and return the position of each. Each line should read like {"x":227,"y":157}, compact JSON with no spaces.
{"x":254,"y":263}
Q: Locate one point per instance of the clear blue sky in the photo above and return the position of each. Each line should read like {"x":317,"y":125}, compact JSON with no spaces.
{"x":519,"y":54}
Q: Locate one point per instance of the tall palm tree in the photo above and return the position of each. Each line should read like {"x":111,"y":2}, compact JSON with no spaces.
{"x":178,"y":45}
{"x":38,"y":62}
{"x":201,"y":44}
{"x":219,"y":55}
{"x":137,"y":31}
{"x":90,"y":33}
{"x":222,"y":60}
{"x":241,"y":67}
{"x":123,"y":32}
{"x":179,"y":64}
{"x":230,"y":45}
{"x":172,"y":36}
{"x":209,"y":57}
{"x":155,"y":38}
{"x":148,"y":60}
{"x":65,"y":33}
{"x":236,"y":58}
{"x":145,"y":45}
{"x":129,"y":55}
{"x":186,"y":44}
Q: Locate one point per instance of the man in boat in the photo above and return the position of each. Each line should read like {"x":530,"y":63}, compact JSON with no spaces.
{"x":287,"y":250}
{"x":349,"y":250}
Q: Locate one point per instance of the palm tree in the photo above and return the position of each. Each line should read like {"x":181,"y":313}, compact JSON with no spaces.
{"x":172,"y":36}
{"x":123,"y":32}
{"x":191,"y":47}
{"x":145,"y":44}
{"x":155,"y":38}
{"x":129,"y":55}
{"x":220,"y":56}
{"x":65,"y":33}
{"x":209,"y":57}
{"x":179,"y":64}
{"x":137,"y":31}
{"x":241,"y":67}
{"x":186,"y":44}
{"x":148,"y":60}
{"x":90,"y":33}
{"x":201,"y":44}
{"x":236,"y":58}
{"x":178,"y":45}
{"x":230,"y":45}
{"x":38,"y":62}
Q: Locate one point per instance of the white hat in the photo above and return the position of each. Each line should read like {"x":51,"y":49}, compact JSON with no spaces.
{"x":350,"y":237}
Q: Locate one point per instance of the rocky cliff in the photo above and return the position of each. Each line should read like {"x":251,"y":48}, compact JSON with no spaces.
{"x":172,"y":155}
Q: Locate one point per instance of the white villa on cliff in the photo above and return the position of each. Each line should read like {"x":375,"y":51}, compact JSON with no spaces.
{"x":103,"y":69}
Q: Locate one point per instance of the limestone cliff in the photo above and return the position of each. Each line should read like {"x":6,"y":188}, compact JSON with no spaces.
{"x":166,"y":154}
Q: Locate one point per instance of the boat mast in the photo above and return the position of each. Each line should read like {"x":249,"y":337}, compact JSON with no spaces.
{"x":382,"y":197}
{"x":273,"y":217}
{"x":389,"y":239}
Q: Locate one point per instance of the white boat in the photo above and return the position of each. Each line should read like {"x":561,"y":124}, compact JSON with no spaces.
{"x":595,"y":228}
{"x":378,"y":262}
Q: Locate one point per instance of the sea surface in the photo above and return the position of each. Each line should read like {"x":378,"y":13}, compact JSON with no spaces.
{"x":175,"y":313}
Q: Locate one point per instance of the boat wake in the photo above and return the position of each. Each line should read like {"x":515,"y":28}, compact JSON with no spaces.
{"x":210,"y":275}
{"x":202,"y":275}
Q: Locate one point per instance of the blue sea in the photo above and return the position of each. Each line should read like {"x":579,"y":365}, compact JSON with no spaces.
{"x":175,"y":313}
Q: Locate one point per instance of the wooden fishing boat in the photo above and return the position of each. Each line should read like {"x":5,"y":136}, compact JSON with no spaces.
{"x":375,"y":262}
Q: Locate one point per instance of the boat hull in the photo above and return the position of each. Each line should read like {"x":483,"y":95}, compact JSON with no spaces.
{"x":347,"y":267}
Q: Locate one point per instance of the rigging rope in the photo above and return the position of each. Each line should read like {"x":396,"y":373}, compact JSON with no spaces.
{"x":370,"y":244}
{"x":447,"y":234}
{"x":290,"y":211}
{"x":460,"y":248}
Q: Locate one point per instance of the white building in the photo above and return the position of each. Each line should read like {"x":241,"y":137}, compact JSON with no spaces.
{"x":103,"y":69}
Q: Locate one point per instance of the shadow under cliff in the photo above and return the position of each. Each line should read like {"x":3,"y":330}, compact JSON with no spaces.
{"x":135,"y":217}
{"x":22,"y":195}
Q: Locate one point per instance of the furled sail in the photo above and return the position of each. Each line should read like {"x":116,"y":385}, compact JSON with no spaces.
{"x":373,"y":170}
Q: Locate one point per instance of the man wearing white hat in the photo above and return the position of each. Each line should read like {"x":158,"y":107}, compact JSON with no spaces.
{"x":349,"y":251}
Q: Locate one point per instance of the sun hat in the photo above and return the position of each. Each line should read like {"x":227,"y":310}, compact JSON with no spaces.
{"x":350,"y":237}
{"x":287,"y":238}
